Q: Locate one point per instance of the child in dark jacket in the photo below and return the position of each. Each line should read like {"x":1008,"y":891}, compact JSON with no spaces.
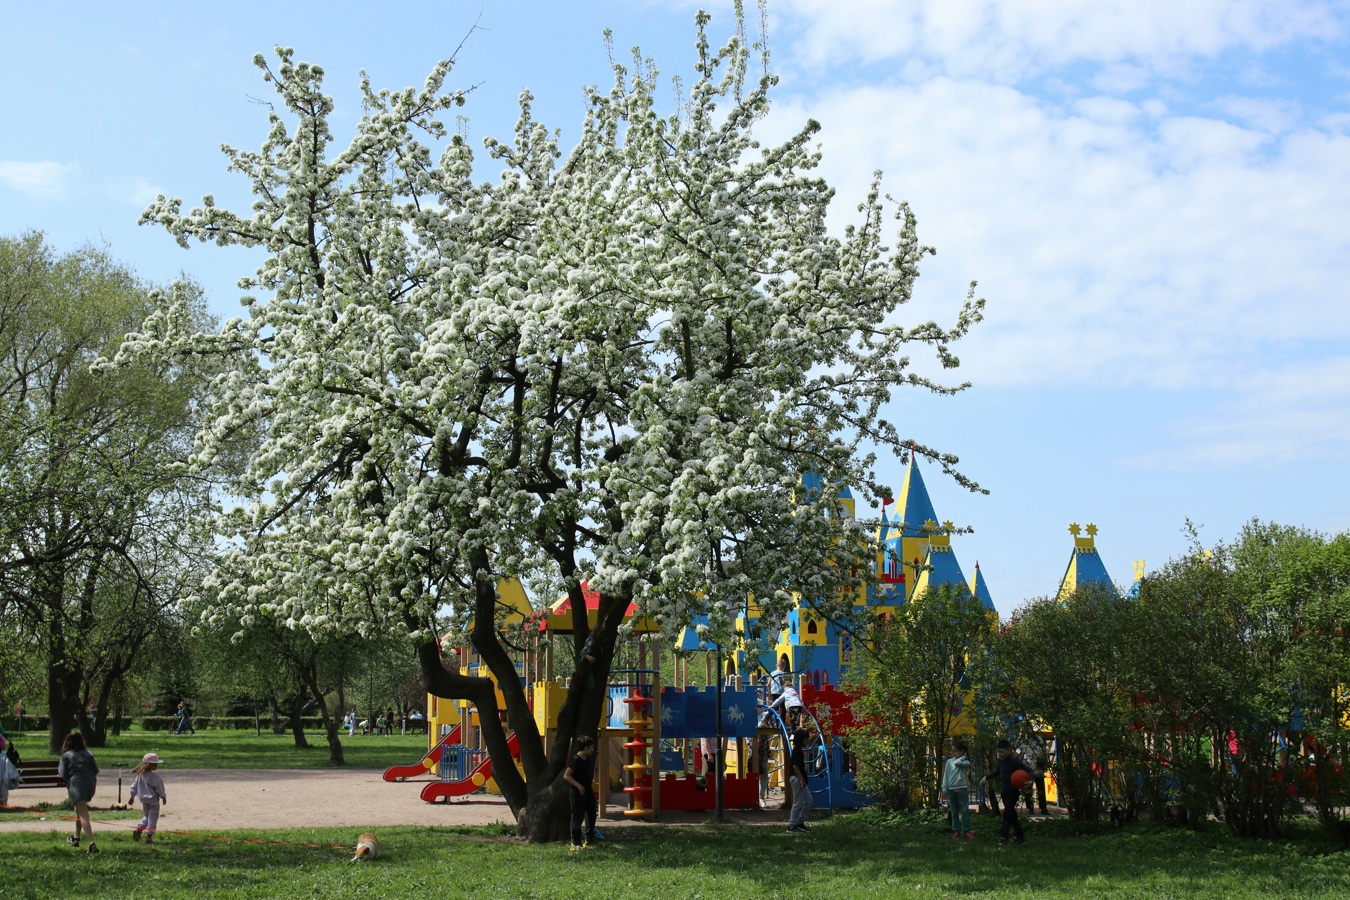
{"x":1008,"y":763}
{"x":579,"y":775}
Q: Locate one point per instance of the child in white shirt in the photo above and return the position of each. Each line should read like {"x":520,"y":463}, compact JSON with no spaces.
{"x":148,"y":787}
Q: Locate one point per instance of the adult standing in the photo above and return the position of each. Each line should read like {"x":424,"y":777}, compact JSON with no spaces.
{"x":9,"y":773}
{"x":1037,"y":754}
{"x":80,"y":773}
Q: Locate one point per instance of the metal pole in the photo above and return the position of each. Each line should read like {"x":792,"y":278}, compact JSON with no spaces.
{"x":720,"y":767}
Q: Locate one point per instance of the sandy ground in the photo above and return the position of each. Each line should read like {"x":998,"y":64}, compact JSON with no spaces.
{"x":208,"y":801}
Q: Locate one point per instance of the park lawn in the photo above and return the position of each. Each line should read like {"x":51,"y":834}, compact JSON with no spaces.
{"x":861,"y":855}
{"x":242,"y":750}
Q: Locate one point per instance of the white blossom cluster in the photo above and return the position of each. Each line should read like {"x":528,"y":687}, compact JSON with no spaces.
{"x":614,"y":365}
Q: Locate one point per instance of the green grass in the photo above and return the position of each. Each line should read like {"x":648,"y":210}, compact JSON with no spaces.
{"x":66,"y":808}
{"x":865,"y":855}
{"x":242,"y":750}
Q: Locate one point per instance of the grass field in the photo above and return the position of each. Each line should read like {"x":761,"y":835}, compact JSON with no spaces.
{"x":241,"y":750}
{"x":870,"y":854}
{"x":863,"y":855}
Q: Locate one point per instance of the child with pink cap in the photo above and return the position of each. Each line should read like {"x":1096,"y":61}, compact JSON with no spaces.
{"x":148,"y":787}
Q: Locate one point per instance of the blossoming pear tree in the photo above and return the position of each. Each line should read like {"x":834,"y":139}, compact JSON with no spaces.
{"x":612,"y":366}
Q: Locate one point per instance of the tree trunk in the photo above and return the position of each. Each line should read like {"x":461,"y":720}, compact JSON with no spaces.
{"x":330,"y":724}
{"x":545,"y":820}
{"x":298,"y":723}
{"x":99,"y":731}
{"x":539,"y":800}
{"x":279,"y":722}
{"x":335,"y":754}
{"x":118,"y":705}
{"x":63,"y":704}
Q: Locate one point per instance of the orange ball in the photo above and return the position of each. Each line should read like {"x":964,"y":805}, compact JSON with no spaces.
{"x":1019,"y":779}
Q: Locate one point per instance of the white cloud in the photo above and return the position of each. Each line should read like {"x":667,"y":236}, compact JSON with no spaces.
{"x":38,"y":180}
{"x":1272,"y":116}
{"x":1011,"y":39}
{"x":1116,"y":243}
{"x":136,"y":191}
{"x":1275,"y":416}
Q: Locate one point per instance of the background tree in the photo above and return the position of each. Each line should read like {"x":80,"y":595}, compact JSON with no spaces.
{"x":1177,"y":671}
{"x":93,"y":504}
{"x":911,"y":683}
{"x":258,"y":661}
{"x":1314,"y":585}
{"x":614,"y":370}
{"x":1220,"y":688}
{"x":1275,"y":592}
{"x":1065,"y":664}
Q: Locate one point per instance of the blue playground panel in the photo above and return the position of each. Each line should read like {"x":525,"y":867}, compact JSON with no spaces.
{"x":457,"y":761}
{"x":844,"y":793}
{"x":692,"y":713}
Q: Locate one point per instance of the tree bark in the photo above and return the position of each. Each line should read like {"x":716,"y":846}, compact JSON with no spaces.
{"x":297,"y":722}
{"x":278,"y":721}
{"x":539,"y":800}
{"x":547,"y":818}
{"x":330,"y":725}
{"x":63,"y":694}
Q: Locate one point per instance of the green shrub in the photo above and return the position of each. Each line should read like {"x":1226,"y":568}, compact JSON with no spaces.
{"x":30,"y":723}
{"x":221,"y":723}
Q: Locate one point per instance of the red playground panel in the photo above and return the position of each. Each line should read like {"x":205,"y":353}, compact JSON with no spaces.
{"x":427,"y":764}
{"x":444,"y":790}
{"x":684,"y":792}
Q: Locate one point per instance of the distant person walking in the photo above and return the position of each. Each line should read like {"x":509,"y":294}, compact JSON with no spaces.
{"x":80,"y":773}
{"x":148,"y":787}
{"x":184,"y":718}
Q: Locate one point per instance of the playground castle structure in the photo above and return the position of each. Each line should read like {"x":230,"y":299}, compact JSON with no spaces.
{"x":651,"y":734}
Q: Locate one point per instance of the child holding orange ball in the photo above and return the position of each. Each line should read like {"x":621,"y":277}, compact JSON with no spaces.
{"x":1010,"y":787}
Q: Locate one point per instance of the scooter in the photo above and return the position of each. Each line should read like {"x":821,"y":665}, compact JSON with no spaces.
{"x":119,"y":804}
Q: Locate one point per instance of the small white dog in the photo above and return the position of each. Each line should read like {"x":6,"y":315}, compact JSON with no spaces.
{"x":367,"y":847}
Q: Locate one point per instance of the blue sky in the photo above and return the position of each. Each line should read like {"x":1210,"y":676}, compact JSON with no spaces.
{"x":1153,"y":195}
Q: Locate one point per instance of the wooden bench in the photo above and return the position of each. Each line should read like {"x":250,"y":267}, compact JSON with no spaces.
{"x":41,"y":774}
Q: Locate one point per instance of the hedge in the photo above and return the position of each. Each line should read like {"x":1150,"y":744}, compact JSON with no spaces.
{"x":43,"y":723}
{"x":222,"y":723}
{"x":30,"y":723}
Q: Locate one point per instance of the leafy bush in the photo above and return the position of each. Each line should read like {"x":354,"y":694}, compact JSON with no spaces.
{"x":911,"y":684}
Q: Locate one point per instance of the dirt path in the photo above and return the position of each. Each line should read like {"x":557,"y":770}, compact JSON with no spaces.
{"x":207,"y":801}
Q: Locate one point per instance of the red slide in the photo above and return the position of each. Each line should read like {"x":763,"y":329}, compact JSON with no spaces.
{"x":444,"y":790}
{"x":427,"y":765}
